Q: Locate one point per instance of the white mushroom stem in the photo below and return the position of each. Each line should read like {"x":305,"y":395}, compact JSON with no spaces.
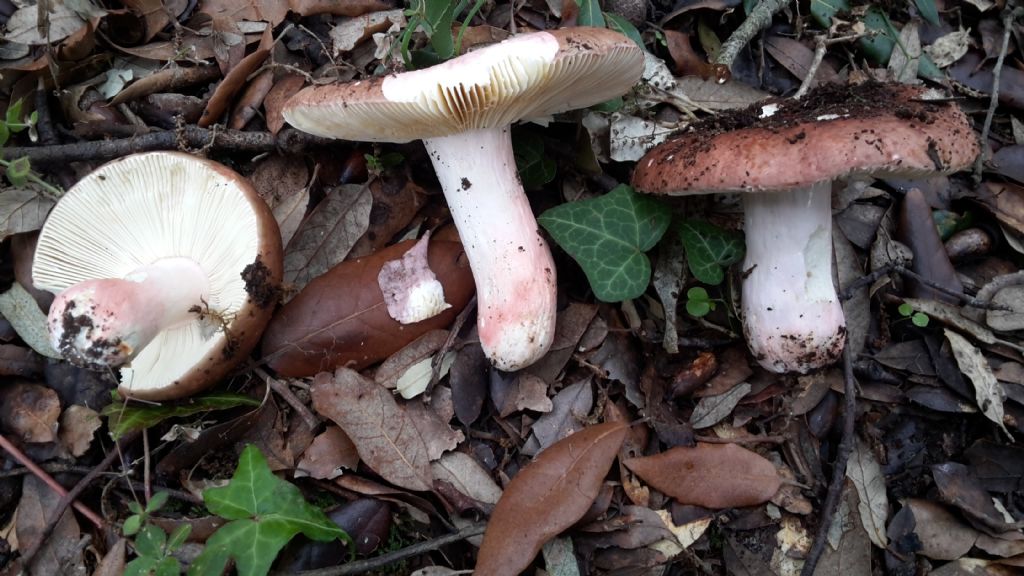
{"x":792,"y":317}
{"x":512,"y":266}
{"x":106,"y":322}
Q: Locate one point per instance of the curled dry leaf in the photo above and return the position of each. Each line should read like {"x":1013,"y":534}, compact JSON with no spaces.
{"x":283,"y":89}
{"x":330,"y":451}
{"x":29,"y":411}
{"x":78,"y":426}
{"x":547,"y":497}
{"x":710,"y":475}
{"x":339,"y":319}
{"x":234,"y":80}
{"x":387,"y":439}
{"x":865,"y":472}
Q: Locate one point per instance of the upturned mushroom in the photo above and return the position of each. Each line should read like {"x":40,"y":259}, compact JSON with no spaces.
{"x":462,"y":110}
{"x":165,"y":265}
{"x":784,"y":156}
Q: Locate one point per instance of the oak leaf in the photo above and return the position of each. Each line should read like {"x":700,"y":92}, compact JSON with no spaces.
{"x":710,"y":475}
{"x":547,"y":497}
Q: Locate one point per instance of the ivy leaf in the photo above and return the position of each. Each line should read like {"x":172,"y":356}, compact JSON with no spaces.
{"x":535,"y":168}
{"x":265,"y":512}
{"x":823,"y":10}
{"x":709,"y":250}
{"x":608,"y":236}
{"x":125,"y":418}
{"x":928,"y":11}
{"x":878,"y":48}
{"x":590,"y":14}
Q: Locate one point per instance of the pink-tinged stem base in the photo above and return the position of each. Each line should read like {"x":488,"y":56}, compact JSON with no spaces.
{"x":512,"y":265}
{"x":792,"y":317}
{"x":105,"y":323}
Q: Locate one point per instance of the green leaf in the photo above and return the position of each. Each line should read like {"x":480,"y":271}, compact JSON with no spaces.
{"x":590,"y":14}
{"x":609,"y":105}
{"x":5,"y":133}
{"x":535,"y":168}
{"x":624,"y":27}
{"x":141,"y":566}
{"x":178,"y":537}
{"x":132,"y":524}
{"x":167,"y":566}
{"x":150,"y":541}
{"x":608,"y":236}
{"x":823,"y":10}
{"x":878,"y":48}
{"x":125,"y":418}
{"x":698,"y":303}
{"x":13,"y":115}
{"x":928,"y":11}
{"x":710,"y":249}
{"x":265,"y":513}
{"x":18,"y":171}
{"x":905,"y":310}
{"x":156,"y":502}
{"x":438,"y":16}
{"x":919,"y":319}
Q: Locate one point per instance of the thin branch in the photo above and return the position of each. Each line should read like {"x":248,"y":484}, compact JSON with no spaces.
{"x":361,"y":566}
{"x":821,"y":46}
{"x":758,"y":19}
{"x":288,"y":140}
{"x":993,"y":102}
{"x":835,"y":488}
{"x":869,"y":279}
{"x":27,"y":462}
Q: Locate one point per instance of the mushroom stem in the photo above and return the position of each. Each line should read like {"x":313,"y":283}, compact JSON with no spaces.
{"x":792,"y":317}
{"x":106,"y":322}
{"x":512,"y":266}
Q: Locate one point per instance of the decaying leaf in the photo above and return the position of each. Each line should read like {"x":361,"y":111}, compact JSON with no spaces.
{"x":713,"y":409}
{"x":467,"y":476}
{"x":22,"y":209}
{"x":710,"y":475}
{"x":546,"y":497}
{"x":330,"y":451}
{"x":21,"y":310}
{"x":29,"y":411}
{"x":942,"y":536}
{"x":973,"y":364}
{"x":386,"y":438}
{"x":340,"y":318}
{"x":78,"y":426}
{"x":866,"y":474}
{"x":60,"y":552}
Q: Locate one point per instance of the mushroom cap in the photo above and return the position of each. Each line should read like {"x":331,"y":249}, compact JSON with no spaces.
{"x":146,"y":207}
{"x":832,"y":133}
{"x":526,"y":76}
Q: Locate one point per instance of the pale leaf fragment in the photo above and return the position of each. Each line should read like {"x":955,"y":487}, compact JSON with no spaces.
{"x":411,"y":290}
{"x":949,"y":48}
{"x":632,"y":137}
{"x":351,"y":31}
{"x":21,"y":310}
{"x":988,"y":393}
{"x":713,"y":409}
{"x":865,"y":472}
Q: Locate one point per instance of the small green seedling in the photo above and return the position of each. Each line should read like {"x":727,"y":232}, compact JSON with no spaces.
{"x":698,"y":303}
{"x":377,"y":164}
{"x":919,"y":319}
{"x":152,"y":545}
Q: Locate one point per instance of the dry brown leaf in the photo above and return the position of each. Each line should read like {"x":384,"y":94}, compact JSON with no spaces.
{"x":546,"y":497}
{"x":340,"y":318}
{"x":387,"y":439}
{"x":155,"y":13}
{"x":251,"y":99}
{"x":941,"y":534}
{"x":396,"y":201}
{"x":568,"y":415}
{"x":29,"y":411}
{"x":282,"y":90}
{"x":467,"y":476}
{"x":281,"y":182}
{"x":113,"y":562}
{"x":710,"y":475}
{"x":796,"y":57}
{"x":865,"y":472}
{"x":326,"y":236}
{"x":19,"y":361}
{"x":233,"y":81}
{"x":169,"y":79}
{"x":329,"y":452}
{"x":436,"y":433}
{"x":78,"y":426}
{"x":425,"y":346}
{"x":60,"y":552}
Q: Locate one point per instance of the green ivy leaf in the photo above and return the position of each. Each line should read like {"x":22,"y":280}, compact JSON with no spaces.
{"x":128,"y":418}
{"x":608,"y":236}
{"x":928,"y":11}
{"x":710,"y":249}
{"x":878,"y":48}
{"x":823,"y":10}
{"x":265,"y":512}
{"x":624,"y":27}
{"x":590,"y":14}
{"x":535,"y":168}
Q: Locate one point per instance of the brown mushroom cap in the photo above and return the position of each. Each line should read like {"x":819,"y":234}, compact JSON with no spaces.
{"x":142,"y":208}
{"x":833,"y":133}
{"x":526,"y":76}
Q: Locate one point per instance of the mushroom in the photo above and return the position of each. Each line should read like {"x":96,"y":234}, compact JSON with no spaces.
{"x":165,"y":265}
{"x":784,"y":156}
{"x":462,"y":110}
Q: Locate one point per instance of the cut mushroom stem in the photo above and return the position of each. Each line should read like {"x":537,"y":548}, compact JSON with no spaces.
{"x":512,"y":265}
{"x":106,"y":322}
{"x":791,"y":315}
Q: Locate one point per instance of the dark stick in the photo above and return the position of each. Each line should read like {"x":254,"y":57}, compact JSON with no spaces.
{"x":288,"y":140}
{"x":835,"y":488}
{"x":383,"y":560}
{"x":900,"y":269}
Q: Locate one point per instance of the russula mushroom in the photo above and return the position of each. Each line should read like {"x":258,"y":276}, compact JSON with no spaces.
{"x":462,"y":110}
{"x":784,"y":156}
{"x":165,"y":265}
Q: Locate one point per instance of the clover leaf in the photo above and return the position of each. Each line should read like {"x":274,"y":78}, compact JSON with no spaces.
{"x":608,"y":236}
{"x":709,"y":249}
{"x":265,"y":512}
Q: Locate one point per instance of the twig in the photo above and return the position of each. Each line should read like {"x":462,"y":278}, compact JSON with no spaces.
{"x":361,"y":566}
{"x":47,"y":479}
{"x":821,"y":46}
{"x":869,"y":279}
{"x":289,"y":140}
{"x":741,"y":440}
{"x":760,"y":17}
{"x":288,"y":396}
{"x":835,"y":488}
{"x":1008,"y":17}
